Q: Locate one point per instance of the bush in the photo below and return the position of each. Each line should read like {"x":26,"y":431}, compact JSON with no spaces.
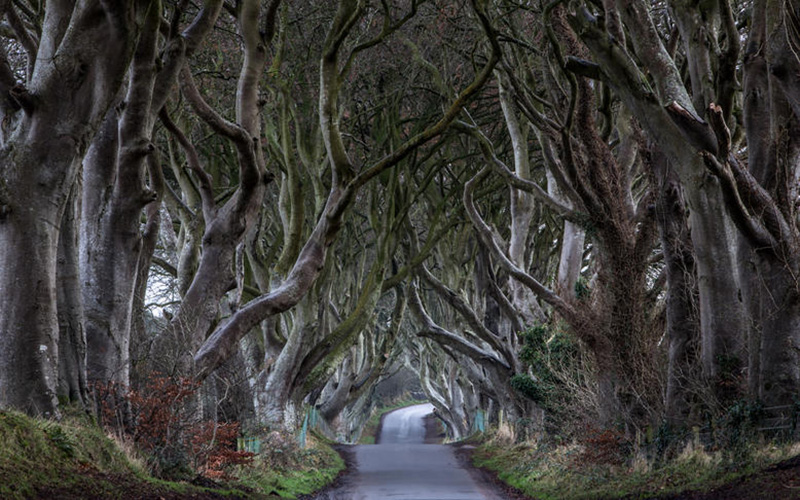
{"x":155,"y":419}
{"x":554,"y":371}
{"x":604,"y":447}
{"x":526,"y":386}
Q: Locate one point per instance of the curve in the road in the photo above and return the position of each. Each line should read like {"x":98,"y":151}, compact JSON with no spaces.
{"x":406,"y":425}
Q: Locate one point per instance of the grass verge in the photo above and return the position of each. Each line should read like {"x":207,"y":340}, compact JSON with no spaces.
{"x":312,"y":469}
{"x":75,"y":459}
{"x":560,"y":472}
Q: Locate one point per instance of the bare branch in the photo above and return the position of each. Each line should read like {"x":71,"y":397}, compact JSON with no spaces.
{"x":223,"y":341}
{"x":487,"y":238}
{"x":208,"y":114}
{"x":431,"y":330}
{"x":513,"y":180}
{"x":749,"y":225}
{"x":201,"y":26}
{"x":192,"y":158}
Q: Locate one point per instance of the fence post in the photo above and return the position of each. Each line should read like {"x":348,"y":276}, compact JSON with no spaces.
{"x":314,"y":418}
{"x":479,"y":422}
{"x":302,"y":438}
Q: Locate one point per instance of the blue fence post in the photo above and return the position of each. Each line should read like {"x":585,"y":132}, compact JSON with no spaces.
{"x":302,"y":438}
{"x":314,"y":417}
{"x":479,"y":422}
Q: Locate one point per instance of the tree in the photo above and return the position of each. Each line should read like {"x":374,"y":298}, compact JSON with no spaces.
{"x":345,"y":182}
{"x":77,"y":56}
{"x":700,"y":130}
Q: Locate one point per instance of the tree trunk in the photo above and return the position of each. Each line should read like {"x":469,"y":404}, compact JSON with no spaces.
{"x":275,"y":397}
{"x":572,"y":240}
{"x":772,"y":123}
{"x":82,"y":57}
{"x":522,"y":208}
{"x":779,"y":308}
{"x":722,"y":316}
{"x":109,"y":255}
{"x":29,"y":322}
{"x":72,"y":384}
{"x":682,"y":318}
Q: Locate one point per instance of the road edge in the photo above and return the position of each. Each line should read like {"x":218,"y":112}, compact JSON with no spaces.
{"x":482,"y":475}
{"x":342,"y":479}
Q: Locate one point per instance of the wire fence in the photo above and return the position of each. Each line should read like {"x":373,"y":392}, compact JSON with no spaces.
{"x":780,"y":420}
{"x":311,"y":421}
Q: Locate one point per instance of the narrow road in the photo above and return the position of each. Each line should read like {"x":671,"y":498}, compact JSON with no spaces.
{"x":401,"y":467}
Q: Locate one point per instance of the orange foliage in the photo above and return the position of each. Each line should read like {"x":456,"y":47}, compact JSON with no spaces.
{"x":155,"y":419}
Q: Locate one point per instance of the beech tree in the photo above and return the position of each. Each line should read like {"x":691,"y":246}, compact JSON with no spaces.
{"x":704,"y":128}
{"x":76,"y":59}
{"x":618,"y":173}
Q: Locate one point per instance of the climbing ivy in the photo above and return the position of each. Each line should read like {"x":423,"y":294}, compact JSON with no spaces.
{"x":552,"y":360}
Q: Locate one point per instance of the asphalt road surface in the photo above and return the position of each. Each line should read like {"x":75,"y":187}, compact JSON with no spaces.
{"x":401,"y":467}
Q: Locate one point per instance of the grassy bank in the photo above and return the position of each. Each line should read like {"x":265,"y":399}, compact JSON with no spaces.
{"x":306,"y":472}
{"x":74,"y":458}
{"x":570,"y":472}
{"x":372,"y":427}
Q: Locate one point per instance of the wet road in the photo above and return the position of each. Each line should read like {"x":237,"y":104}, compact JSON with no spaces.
{"x":405,"y":425}
{"x":402,"y":468}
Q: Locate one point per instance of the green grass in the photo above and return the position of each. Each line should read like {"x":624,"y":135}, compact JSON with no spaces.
{"x":559,"y":473}
{"x":319,"y":466}
{"x":369,"y":434}
{"x":37,"y":454}
{"x":74,"y":458}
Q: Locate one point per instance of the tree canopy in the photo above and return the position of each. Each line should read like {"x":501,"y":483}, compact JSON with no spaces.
{"x":556,"y":212}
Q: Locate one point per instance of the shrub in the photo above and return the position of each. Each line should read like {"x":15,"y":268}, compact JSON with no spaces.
{"x":212,"y":446}
{"x":604,"y":447}
{"x":554,"y":366}
{"x":155,"y":418}
{"x":526,"y":386}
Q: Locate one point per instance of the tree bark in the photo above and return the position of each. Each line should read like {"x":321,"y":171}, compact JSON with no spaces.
{"x":29,"y":323}
{"x":72,"y":385}
{"x":683,"y":325}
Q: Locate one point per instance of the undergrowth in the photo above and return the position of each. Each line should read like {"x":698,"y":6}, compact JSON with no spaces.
{"x":295,"y":472}
{"x":157,"y":420}
{"x":76,"y":458}
{"x":605,"y":467}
